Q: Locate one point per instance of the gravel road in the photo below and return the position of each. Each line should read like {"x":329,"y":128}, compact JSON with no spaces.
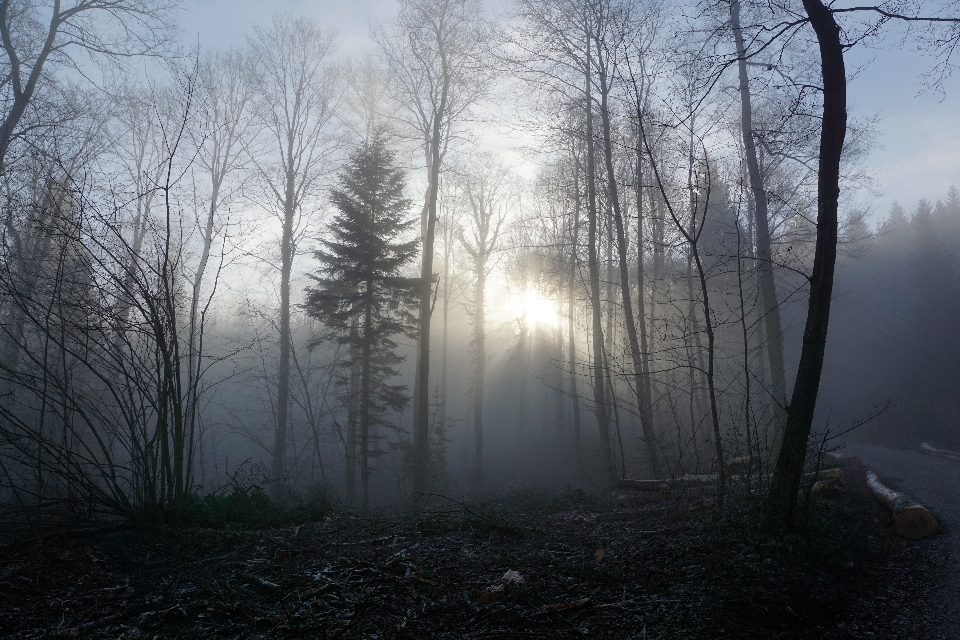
{"x":926,"y":597}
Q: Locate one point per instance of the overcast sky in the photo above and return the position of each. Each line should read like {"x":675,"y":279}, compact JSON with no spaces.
{"x":918,"y":143}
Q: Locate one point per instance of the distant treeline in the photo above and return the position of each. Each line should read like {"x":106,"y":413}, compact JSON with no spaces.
{"x":895,"y":331}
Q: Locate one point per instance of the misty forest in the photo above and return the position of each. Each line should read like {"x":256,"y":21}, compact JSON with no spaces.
{"x":547,"y":318}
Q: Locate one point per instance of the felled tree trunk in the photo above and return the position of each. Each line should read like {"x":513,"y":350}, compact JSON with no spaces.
{"x":940,"y":453}
{"x":910,"y":519}
{"x":825,"y":476}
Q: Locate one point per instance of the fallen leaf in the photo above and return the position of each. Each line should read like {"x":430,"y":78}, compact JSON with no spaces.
{"x":599,"y":554}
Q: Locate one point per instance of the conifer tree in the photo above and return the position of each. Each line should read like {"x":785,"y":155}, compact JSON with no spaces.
{"x":361,"y":294}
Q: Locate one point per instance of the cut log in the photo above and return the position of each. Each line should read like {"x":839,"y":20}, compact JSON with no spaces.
{"x":827,"y":480}
{"x":910,"y":519}
{"x":832,"y":458}
{"x":940,"y":453}
{"x":249,"y":578}
{"x":826,"y":475}
{"x":668,"y":484}
{"x":707,"y":480}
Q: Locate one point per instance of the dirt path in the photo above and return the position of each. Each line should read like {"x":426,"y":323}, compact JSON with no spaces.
{"x":928,"y":587}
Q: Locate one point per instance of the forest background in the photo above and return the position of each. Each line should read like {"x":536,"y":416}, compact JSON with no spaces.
{"x":596,"y":287}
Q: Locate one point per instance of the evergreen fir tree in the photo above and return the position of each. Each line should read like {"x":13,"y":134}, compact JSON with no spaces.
{"x":896,"y":221}
{"x":932,"y":261}
{"x":361,"y":293}
{"x":947,"y":214}
{"x":952,"y":203}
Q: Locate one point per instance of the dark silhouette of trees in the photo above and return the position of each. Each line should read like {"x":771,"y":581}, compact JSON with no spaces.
{"x":435,"y":58}
{"x":486,"y":193}
{"x":294,"y":99}
{"x":782,"y":498}
{"x":361,"y":294}
{"x":764,"y":253}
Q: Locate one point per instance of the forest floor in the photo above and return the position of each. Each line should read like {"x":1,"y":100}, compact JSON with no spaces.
{"x":524,"y":565}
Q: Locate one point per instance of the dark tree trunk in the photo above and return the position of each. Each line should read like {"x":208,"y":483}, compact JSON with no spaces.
{"x":277,"y":470}
{"x":768,"y":289}
{"x":421,"y":391}
{"x":366,"y":397}
{"x":571,"y":323}
{"x":599,"y":392}
{"x":479,"y":371}
{"x":444,"y":341}
{"x":782,"y":498}
{"x":646,"y":390}
{"x":640,"y":383}
{"x":353,"y":405}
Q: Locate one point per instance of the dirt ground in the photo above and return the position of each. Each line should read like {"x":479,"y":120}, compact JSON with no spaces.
{"x":921,"y":598}
{"x":522,"y":565}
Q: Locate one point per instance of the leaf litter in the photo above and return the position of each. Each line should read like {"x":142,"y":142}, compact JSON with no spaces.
{"x":528,"y":566}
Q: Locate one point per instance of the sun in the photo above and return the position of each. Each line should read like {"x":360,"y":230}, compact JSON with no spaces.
{"x":534,"y":309}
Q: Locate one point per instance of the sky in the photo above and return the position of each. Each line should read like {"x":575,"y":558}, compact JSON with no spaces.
{"x":917,"y":147}
{"x":917,"y":152}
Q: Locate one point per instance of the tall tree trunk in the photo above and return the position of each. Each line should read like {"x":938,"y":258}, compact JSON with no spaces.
{"x":657,"y":230}
{"x":646,"y":408}
{"x":696,"y":373}
{"x":444,"y":341}
{"x":277,"y":471}
{"x":768,"y":289}
{"x":479,"y":370}
{"x":782,"y":499}
{"x":608,"y":278}
{"x":599,"y":393}
{"x":711,"y":368}
{"x":640,"y":380}
{"x":353,"y":410}
{"x":571,"y":323}
{"x":421,"y":391}
{"x":193,"y":348}
{"x":745,"y":333}
{"x":365,"y":397}
{"x":523,"y":348}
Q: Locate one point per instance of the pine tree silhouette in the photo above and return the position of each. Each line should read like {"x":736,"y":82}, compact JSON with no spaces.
{"x":362,"y":296}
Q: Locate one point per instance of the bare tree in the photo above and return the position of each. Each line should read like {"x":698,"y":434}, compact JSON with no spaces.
{"x":612,"y":22}
{"x":435,"y":54}
{"x":557,"y":48}
{"x":114,"y":381}
{"x":367,"y":101}
{"x":39,"y":38}
{"x":782,"y":497}
{"x":295,"y":99}
{"x":487,"y":192}
{"x":764,"y":254}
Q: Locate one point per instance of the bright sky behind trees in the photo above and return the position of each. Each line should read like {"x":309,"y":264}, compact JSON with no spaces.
{"x":917,"y":150}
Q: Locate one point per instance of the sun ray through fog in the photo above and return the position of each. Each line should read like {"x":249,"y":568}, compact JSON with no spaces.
{"x":534,"y":309}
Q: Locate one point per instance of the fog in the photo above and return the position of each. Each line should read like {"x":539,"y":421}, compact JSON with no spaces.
{"x":370,"y":256}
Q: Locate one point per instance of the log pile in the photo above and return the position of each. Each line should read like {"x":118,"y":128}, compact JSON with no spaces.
{"x":910,"y":519}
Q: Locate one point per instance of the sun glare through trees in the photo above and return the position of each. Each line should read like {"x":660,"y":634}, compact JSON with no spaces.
{"x":533,"y":309}
{"x":355,"y":277}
